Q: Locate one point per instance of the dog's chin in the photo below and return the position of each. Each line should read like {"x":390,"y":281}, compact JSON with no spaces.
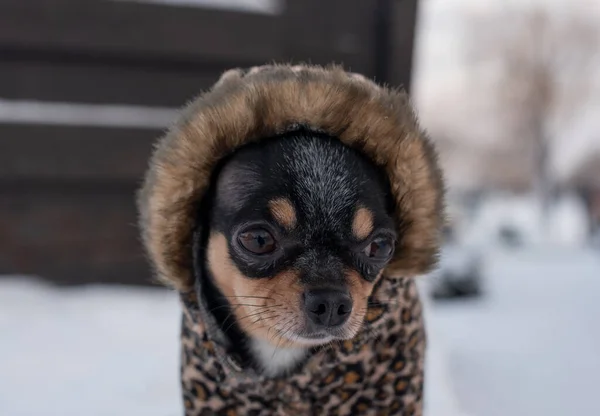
{"x":314,"y":339}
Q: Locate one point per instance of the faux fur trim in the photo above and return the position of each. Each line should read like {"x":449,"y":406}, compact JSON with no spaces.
{"x":246,"y":106}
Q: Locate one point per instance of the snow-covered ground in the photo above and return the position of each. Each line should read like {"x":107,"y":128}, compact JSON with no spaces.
{"x":94,"y":351}
{"x":530,"y":347}
{"x":109,"y":351}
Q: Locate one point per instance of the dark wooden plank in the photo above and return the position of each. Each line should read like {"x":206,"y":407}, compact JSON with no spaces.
{"x":348,"y":31}
{"x":296,"y":18}
{"x":73,"y":153}
{"x":353,"y":38}
{"x":71,"y":233}
{"x":402,"y":42}
{"x":94,"y":27}
{"x":339,"y":31}
{"x":382,"y":41}
{"x":103,"y":82}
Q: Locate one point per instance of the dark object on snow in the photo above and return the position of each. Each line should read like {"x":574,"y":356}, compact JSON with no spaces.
{"x":510,"y":236}
{"x":460,"y":271}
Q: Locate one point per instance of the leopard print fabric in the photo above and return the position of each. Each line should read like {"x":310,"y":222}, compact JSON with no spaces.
{"x":379,"y":372}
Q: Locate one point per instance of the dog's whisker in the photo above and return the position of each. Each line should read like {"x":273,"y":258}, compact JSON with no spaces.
{"x":259,"y":313}
{"x":262,"y":318}
{"x":229,"y":315}
{"x":281,"y":337}
{"x":278,"y":294}
{"x":288,"y":330}
{"x":225,"y":321}
{"x":280,"y":332}
{"x":383,"y":301}
{"x":251,"y":305}
{"x":274,"y":328}
{"x":265,"y":310}
{"x":246,"y":297}
{"x":274,"y":314}
{"x":233,"y":311}
{"x":237,"y":305}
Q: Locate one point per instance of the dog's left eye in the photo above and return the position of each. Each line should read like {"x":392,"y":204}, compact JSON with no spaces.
{"x":379,"y":249}
{"x":257,"y":241}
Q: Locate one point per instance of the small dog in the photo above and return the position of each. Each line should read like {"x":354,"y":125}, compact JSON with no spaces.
{"x":291,"y":208}
{"x":301,"y":228}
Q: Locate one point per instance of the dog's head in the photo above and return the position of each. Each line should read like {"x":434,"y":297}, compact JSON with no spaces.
{"x":300,"y":229}
{"x":291,"y":233}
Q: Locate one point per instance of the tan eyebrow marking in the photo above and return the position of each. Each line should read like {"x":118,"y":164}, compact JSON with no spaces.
{"x":362,"y":225}
{"x":284,"y":212}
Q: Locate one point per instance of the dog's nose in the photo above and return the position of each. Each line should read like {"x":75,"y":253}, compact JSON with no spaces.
{"x":327,"y":307}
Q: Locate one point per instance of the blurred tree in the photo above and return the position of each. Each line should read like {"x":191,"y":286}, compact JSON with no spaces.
{"x":544,"y":64}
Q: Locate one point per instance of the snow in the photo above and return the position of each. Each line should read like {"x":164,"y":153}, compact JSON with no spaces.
{"x":583,"y":143}
{"x":570,"y":221}
{"x":95,"y":351}
{"x":440,"y":395}
{"x":530,"y":346}
{"x":567,"y":223}
{"x":112,"y":351}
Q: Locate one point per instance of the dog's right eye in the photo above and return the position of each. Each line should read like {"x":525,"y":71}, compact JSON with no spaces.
{"x":257,"y":241}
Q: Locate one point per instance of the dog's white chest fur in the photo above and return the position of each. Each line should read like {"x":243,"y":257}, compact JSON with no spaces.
{"x":273,"y":360}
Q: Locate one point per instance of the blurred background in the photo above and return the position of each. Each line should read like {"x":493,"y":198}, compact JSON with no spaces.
{"x":508,"y":89}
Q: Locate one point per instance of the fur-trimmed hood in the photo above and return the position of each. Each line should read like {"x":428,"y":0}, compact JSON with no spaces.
{"x":246,"y":106}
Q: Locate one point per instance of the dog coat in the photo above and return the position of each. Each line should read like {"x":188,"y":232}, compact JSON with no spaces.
{"x":380,"y":371}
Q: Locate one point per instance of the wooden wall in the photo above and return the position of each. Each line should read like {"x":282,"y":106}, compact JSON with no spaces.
{"x":67,"y":187}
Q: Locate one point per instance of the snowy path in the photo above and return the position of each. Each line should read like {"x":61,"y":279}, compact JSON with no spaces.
{"x":103,"y":351}
{"x":96,"y":352}
{"x":532,"y":346}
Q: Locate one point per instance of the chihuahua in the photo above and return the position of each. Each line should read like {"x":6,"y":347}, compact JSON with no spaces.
{"x":291,"y":207}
